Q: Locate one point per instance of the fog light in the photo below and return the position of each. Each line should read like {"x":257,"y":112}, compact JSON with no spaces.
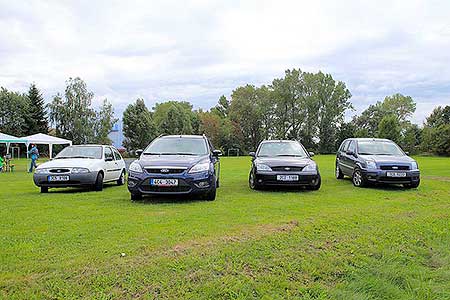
{"x":131,"y":183}
{"x":202,"y":184}
{"x":259,"y":180}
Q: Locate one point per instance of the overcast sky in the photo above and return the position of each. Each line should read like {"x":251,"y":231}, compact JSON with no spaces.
{"x":199,"y":50}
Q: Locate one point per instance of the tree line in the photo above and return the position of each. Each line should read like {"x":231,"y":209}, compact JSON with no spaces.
{"x":69,"y":115}
{"x":309,"y":107}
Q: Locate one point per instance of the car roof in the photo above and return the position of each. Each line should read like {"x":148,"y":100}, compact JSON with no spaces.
{"x":278,"y":141}
{"x":183,"y":136}
{"x":370,"y":139}
{"x":93,"y":145}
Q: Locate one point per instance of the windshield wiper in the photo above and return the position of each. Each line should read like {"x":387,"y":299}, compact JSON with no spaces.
{"x":295,"y":155}
{"x":75,"y":156}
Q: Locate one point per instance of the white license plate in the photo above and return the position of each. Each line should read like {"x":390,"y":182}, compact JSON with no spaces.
{"x":164,"y":182}
{"x":58,"y":178}
{"x":287,"y":177}
{"x":395,"y":174}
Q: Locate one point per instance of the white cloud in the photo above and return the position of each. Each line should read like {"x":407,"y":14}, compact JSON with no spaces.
{"x":198,"y":50}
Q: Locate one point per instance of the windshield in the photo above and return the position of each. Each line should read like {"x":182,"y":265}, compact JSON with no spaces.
{"x":281,"y":149}
{"x":80,"y":152}
{"x":379,"y":148}
{"x":177,"y":146}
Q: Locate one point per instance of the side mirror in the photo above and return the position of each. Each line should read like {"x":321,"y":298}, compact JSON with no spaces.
{"x":311,"y":154}
{"x":138,"y":152}
{"x":252,"y":154}
{"x":349,"y":152}
{"x":217,"y":153}
{"x":108,"y":159}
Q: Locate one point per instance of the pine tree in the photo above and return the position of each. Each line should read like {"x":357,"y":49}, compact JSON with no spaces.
{"x":37,"y":117}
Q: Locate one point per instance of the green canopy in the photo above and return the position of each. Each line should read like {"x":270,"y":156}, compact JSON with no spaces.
{"x":9,"y":139}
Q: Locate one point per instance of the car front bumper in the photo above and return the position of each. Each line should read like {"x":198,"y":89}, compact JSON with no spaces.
{"x":269,"y":178}
{"x":85,"y":179}
{"x":197,"y":183}
{"x":380,"y":176}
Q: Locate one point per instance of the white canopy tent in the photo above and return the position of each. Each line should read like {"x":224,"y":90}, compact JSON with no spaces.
{"x":9,"y":139}
{"x":45,"y":139}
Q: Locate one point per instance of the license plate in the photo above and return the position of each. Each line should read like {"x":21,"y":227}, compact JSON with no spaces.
{"x":164,"y":182}
{"x":287,"y":177}
{"x":395,"y":174}
{"x":58,"y":178}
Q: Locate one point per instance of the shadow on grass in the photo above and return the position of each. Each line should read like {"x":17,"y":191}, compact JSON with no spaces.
{"x":75,"y":190}
{"x":379,"y":186}
{"x":174,"y":199}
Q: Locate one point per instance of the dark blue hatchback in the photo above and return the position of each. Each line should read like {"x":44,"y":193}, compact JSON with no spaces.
{"x":176,"y":165}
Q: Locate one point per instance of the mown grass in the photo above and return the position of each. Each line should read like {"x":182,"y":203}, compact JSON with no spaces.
{"x":336,"y":243}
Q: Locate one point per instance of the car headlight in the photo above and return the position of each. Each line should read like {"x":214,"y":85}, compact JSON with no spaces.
{"x":200,"y":167}
{"x":41,"y":171}
{"x":135,"y":167}
{"x":371,"y":164}
{"x":79,"y":170}
{"x":263,"y":167}
{"x":414,"y":165}
{"x":310,"y":167}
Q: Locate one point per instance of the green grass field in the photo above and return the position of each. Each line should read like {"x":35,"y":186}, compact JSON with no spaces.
{"x":336,"y":243}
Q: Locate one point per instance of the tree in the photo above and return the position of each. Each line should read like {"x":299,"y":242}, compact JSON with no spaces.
{"x":389,"y":128}
{"x":401,"y":106}
{"x":138,"y":126}
{"x":37,"y":115}
{"x":186,"y":121}
{"x":436,"y":132}
{"x":222,"y":108}
{"x":411,"y":138}
{"x":345,"y":131}
{"x":73,"y":116}
{"x":104,"y":124}
{"x":13,"y":113}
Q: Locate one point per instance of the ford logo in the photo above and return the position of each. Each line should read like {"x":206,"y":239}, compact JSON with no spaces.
{"x":394,"y":167}
{"x":164,"y":170}
{"x":287,"y":169}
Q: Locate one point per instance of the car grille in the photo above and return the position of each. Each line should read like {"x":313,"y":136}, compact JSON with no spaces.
{"x":164,"y":171}
{"x":394,"y":167}
{"x":287,"y":169}
{"x":59,"y":171}
{"x":157,"y":189}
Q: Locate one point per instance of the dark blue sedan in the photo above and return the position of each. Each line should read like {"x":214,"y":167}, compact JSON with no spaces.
{"x":369,"y":160}
{"x":176,"y":165}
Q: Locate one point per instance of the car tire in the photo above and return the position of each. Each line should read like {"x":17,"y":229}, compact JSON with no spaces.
{"x":211,"y":195}
{"x":358,"y":179}
{"x":44,"y":189}
{"x":121,"y":180}
{"x":98,"y":185}
{"x":412,"y":185}
{"x":251,"y":181}
{"x":317,"y":185}
{"x":136,"y":196}
{"x":339,"y":174}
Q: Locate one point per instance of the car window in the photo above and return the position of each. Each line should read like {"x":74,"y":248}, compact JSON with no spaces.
{"x":117,"y":155}
{"x":108,"y":153}
{"x":352,"y":147}
{"x":344,"y":146}
{"x":285,"y":148}
{"x":80,"y":152}
{"x":379,"y":148}
{"x":177,"y":146}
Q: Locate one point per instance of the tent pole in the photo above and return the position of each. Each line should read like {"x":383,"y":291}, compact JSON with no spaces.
{"x":27,"y":144}
{"x":50,"y":147}
{"x":7,"y":147}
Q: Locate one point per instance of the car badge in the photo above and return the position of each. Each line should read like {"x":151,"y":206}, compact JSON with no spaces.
{"x":287,"y":169}
{"x":164,"y":170}
{"x":394,"y":167}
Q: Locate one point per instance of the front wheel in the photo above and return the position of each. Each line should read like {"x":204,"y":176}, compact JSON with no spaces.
{"x":98,"y":186}
{"x":339,"y":174}
{"x":136,"y":196}
{"x":44,"y":189}
{"x":252,"y":181}
{"x":211,"y":195}
{"x":121,"y":180}
{"x":412,"y":185}
{"x":358,"y":179}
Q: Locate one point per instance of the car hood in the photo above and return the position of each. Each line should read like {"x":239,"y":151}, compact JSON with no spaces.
{"x":284,"y":161}
{"x":181,"y":161}
{"x":388,"y":158}
{"x":69,"y":163}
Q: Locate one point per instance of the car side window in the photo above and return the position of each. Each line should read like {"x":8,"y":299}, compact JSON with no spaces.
{"x":108,"y":153}
{"x":344,"y":146}
{"x":117,"y":155}
{"x":352,"y":147}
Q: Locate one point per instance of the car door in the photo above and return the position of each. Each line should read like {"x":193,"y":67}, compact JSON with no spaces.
{"x":110,"y":164}
{"x":344,"y":161}
{"x":120,"y":164}
{"x":340,"y":153}
{"x":350,"y":157}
